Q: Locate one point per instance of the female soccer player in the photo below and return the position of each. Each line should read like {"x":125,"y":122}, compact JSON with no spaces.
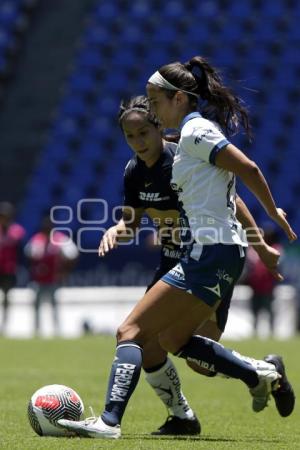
{"x":204,"y":169}
{"x":147,"y":189}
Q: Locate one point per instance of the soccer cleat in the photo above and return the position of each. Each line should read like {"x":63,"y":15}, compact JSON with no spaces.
{"x":268,"y":380}
{"x":284,"y":395}
{"x":92,"y":427}
{"x":176,"y":426}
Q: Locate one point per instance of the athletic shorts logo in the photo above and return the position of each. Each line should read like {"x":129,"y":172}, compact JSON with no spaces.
{"x":215,"y":289}
{"x":223,"y":275}
{"x":177,"y":272}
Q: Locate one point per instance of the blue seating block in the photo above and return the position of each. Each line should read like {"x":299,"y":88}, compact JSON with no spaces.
{"x":257,"y":48}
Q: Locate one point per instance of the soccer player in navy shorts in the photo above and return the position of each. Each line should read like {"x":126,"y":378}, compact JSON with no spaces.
{"x":192,"y":98}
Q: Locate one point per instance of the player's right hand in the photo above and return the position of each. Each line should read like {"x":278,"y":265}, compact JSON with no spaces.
{"x":109,"y":241}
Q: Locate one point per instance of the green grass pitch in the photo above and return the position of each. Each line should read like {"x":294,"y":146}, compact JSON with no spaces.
{"x":223,"y":406}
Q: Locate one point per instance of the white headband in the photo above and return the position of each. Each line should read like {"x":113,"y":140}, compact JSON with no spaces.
{"x":158,"y":80}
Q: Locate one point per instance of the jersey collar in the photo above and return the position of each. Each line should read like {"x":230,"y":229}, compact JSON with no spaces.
{"x":189,"y":117}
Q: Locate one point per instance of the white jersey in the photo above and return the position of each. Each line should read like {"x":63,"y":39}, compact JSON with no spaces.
{"x":207,"y":193}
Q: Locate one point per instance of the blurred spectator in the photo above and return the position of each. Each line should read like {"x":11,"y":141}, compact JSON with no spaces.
{"x":260,"y":279}
{"x":52,"y":256}
{"x":11,"y":235}
{"x":291,"y":271}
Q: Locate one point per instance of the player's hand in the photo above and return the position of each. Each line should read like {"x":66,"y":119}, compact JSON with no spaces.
{"x":280,"y":219}
{"x":270,"y":257}
{"x":108,"y":242}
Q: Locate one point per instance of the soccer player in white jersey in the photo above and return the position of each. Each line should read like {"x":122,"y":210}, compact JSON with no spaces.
{"x":204,"y":172}
{"x":149,"y":171}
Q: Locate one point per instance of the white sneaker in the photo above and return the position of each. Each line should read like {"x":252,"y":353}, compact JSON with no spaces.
{"x":258,"y":364}
{"x":92,"y":427}
{"x":268,"y":380}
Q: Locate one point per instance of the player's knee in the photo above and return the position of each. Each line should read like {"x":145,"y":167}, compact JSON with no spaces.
{"x":129,"y":332}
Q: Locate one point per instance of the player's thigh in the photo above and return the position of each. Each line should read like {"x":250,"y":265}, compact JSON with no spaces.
{"x":160,"y":307}
{"x":180,"y":331}
{"x":210,"y":329}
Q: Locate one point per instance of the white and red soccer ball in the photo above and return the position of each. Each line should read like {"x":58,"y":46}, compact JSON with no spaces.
{"x":51,"y":403}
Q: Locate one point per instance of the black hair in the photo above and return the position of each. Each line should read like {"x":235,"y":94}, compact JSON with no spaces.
{"x":172,"y":137}
{"x":198,"y":77}
{"x":141,"y":104}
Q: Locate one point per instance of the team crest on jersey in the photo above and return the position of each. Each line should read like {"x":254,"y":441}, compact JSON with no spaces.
{"x":175,"y":187}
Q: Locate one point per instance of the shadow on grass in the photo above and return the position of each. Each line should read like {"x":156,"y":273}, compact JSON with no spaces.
{"x":245,"y":439}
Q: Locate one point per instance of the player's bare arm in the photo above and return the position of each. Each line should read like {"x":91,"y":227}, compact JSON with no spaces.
{"x":232,"y":159}
{"x":268,"y":255}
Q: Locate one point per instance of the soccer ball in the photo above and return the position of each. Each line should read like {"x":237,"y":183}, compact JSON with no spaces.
{"x":51,"y":403}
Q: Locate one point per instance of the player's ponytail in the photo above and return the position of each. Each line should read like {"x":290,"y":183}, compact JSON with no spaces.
{"x":198,"y":77}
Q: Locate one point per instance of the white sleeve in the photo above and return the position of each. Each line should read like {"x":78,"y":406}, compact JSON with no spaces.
{"x":204,"y":141}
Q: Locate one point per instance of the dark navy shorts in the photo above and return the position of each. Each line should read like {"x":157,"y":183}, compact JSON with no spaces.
{"x":165,"y":265}
{"x":168,"y":265}
{"x":212,"y":277}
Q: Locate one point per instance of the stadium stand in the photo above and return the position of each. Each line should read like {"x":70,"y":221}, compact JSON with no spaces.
{"x":14,"y":21}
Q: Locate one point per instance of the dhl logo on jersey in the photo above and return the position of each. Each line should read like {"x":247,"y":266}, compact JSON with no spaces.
{"x":152,"y":197}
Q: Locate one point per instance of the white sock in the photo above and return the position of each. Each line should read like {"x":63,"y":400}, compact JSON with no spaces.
{"x":166,"y":383}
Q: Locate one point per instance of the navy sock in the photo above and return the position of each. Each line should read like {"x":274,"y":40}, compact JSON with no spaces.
{"x":214,"y":357}
{"x":124,"y":376}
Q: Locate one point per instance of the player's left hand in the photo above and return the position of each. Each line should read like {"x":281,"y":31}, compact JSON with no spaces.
{"x":280,"y":219}
{"x":270,"y":257}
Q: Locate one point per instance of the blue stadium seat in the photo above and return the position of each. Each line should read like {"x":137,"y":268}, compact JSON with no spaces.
{"x":90,"y":58}
{"x":82,"y":82}
{"x":117,"y":79}
{"x":168,"y":34}
{"x":99,"y":128}
{"x":239,"y":10}
{"x":9,"y":14}
{"x":272,"y":9}
{"x":6,"y":39}
{"x":131,"y":33}
{"x":140,"y":10}
{"x":106,"y":105}
{"x":205,"y":10}
{"x":73,"y":106}
{"x":65,"y":129}
{"x":91,"y":152}
{"x":106,"y":11}
{"x":124,"y":59}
